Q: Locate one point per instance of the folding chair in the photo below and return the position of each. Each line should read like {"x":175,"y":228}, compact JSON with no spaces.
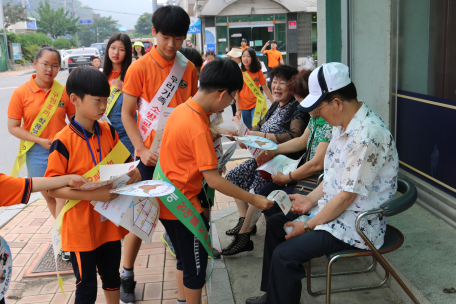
{"x":393,"y":240}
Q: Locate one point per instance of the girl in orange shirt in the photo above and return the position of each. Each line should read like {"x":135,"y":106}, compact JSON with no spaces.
{"x":115,"y":67}
{"x":246,"y":100}
{"x":26,"y":104}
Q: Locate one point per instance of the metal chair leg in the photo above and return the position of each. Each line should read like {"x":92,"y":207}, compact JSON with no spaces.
{"x":328,"y":280}
{"x":371,"y":267}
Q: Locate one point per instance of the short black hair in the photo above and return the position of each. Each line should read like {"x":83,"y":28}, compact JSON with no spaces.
{"x":86,"y":80}
{"x":192,"y":55}
{"x":221,"y":75}
{"x":107,"y":65}
{"x":346,"y":93}
{"x":171,"y":20}
{"x":255,"y":65}
{"x":283,"y":71}
{"x":46,"y":47}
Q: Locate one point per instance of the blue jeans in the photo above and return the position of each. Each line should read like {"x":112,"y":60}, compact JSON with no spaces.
{"x":36,"y":160}
{"x":115,"y":116}
{"x":247,"y":117}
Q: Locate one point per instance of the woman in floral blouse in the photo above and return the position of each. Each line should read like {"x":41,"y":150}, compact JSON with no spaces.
{"x":282,"y":122}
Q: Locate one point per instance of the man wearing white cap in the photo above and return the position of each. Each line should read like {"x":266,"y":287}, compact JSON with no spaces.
{"x":360,"y":167}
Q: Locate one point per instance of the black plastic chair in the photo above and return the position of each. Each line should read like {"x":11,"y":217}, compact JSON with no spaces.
{"x":393,"y":240}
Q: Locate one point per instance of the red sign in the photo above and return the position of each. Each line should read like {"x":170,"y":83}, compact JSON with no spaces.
{"x":291,"y":25}
{"x":269,"y":28}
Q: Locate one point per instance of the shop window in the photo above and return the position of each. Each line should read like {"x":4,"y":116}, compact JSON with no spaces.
{"x":222,"y":41}
{"x":221,"y":20}
{"x":281,"y":36}
{"x":281,"y":17}
{"x":426,"y":95}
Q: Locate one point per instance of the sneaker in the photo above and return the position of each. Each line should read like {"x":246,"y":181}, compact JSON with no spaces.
{"x":216,"y":254}
{"x":65,"y":255}
{"x":127,"y":290}
{"x":167,"y":242}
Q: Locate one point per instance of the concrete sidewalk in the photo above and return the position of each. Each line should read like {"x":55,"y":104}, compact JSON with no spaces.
{"x":16,"y":73}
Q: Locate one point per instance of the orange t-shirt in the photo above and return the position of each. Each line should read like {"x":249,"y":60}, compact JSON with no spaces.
{"x":187,"y":150}
{"x":247,"y":100}
{"x":82,"y":227}
{"x":244,"y":47}
{"x":144,"y":77}
{"x":273,"y":57}
{"x":114,"y":75}
{"x":14,"y":190}
{"x":27,"y":101}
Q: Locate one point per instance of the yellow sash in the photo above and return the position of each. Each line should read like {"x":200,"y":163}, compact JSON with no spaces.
{"x":118,"y":155}
{"x":261,"y":107}
{"x":39,"y":124}
{"x":112,"y":98}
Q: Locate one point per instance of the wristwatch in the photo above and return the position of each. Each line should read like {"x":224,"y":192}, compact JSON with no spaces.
{"x":306,"y":227}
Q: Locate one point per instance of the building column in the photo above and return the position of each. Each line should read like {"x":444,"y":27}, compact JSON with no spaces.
{"x":292,"y":41}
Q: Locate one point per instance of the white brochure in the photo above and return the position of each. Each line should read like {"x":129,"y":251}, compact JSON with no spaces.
{"x":282,"y":199}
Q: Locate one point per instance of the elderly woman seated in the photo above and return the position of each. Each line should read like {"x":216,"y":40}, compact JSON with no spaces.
{"x":283,"y":122}
{"x":303,"y":180}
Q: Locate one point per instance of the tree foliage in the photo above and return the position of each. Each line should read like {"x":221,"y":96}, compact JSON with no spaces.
{"x":144,"y":25}
{"x":64,"y":43}
{"x":13,"y":14}
{"x":55,"y":22}
{"x":29,"y":39}
{"x":88,"y":32}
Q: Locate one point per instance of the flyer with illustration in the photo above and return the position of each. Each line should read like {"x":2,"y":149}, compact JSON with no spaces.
{"x":280,"y":163}
{"x":111,"y":174}
{"x":156,"y":143}
{"x":6,"y":267}
{"x":243,"y":130}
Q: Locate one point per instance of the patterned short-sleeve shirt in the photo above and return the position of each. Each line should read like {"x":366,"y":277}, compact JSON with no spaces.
{"x":323,"y":133}
{"x":361,"y":160}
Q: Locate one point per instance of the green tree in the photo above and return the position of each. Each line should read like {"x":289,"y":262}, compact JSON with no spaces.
{"x":144,"y":25}
{"x":62,"y":43}
{"x":13,"y":14}
{"x":88,"y":32}
{"x":55,"y":22}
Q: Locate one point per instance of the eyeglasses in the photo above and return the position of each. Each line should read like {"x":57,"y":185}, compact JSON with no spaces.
{"x":46,"y":67}
{"x":232,"y":98}
{"x":318,"y":109}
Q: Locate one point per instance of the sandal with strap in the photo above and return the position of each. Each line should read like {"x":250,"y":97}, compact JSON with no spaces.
{"x":237,"y":228}
{"x":240,"y":244}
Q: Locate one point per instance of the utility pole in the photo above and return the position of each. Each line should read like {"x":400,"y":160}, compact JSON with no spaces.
{"x":154,"y":6}
{"x":4,"y":32}
{"x":97,"y":34}
{"x":64,"y":6}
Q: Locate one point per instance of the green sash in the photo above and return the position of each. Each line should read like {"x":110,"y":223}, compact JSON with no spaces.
{"x":183,"y":209}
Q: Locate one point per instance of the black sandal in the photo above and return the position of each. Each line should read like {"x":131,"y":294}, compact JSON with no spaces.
{"x":237,"y":228}
{"x":240,"y":244}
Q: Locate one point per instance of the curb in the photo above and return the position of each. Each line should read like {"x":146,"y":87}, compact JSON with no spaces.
{"x":220,"y":287}
{"x":27,"y":73}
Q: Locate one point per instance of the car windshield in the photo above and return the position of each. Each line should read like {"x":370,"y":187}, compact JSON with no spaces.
{"x":98,"y":46}
{"x":84,"y":52}
{"x":69,"y":51}
{"x":146,"y":45}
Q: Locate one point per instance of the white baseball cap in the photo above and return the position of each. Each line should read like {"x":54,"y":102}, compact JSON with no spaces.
{"x":328,"y":78}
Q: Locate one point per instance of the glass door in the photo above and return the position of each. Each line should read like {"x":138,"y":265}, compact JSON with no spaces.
{"x":256,"y":35}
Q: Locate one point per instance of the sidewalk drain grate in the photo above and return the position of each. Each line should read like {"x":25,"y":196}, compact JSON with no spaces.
{"x":47,"y":263}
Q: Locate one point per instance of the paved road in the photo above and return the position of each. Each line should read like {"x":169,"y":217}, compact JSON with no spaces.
{"x":9,"y":144}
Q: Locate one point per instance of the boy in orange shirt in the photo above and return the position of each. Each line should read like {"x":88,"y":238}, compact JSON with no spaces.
{"x":187,"y":140}
{"x":162,"y":78}
{"x":94,"y":243}
{"x":17,"y":190}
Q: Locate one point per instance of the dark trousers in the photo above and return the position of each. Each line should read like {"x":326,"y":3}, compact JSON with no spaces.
{"x":283,"y":267}
{"x":267,"y":189}
{"x":106,"y":260}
